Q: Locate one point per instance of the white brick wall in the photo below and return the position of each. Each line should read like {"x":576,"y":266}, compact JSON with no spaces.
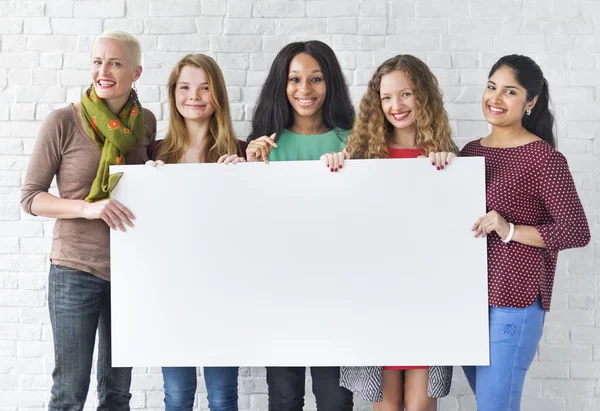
{"x":44,"y":52}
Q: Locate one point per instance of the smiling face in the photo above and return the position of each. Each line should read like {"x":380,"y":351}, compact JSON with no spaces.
{"x":504,"y":101}
{"x":306,"y":89}
{"x":112,"y":73}
{"x":192,"y":94}
{"x":397,"y":100}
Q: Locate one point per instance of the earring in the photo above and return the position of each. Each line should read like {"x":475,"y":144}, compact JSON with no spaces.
{"x":529,"y":112}
{"x":89,"y":90}
{"x":133,"y":94}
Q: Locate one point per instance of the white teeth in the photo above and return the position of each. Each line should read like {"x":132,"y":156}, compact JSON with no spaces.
{"x":304,"y":101}
{"x":400,"y":116}
{"x":496,"y":110}
{"x":106,"y":83}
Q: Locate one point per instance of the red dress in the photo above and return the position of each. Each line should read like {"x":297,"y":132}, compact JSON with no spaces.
{"x":404,"y":153}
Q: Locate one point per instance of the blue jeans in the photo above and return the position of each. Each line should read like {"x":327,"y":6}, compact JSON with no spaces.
{"x":514,"y":337}
{"x":221,"y":387}
{"x":79,"y":304}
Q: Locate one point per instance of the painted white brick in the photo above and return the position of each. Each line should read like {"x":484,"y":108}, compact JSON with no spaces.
{"x":278,"y":8}
{"x":333,"y":8}
{"x":76,"y":26}
{"x":450,"y":8}
{"x":14,"y":43}
{"x":11,"y":25}
{"x":9,"y":245}
{"x":162,"y":60}
{"x":38,"y":25}
{"x":51,"y":60}
{"x":34,"y":382}
{"x":43,"y":77}
{"x":19,"y":77}
{"x":148,"y":93}
{"x":484,"y":26}
{"x":22,"y":8}
{"x":421,"y":25}
{"x":18,"y":262}
{"x":174,"y":8}
{"x":99,"y":9}
{"x":230,"y":44}
{"x":343,"y":25}
{"x":19,"y":60}
{"x":9,"y":280}
{"x":209,"y":25}
{"x":189,"y":43}
{"x":372,"y":26}
{"x":59,"y":8}
{"x":35,"y":94}
{"x":4,"y":112}
{"x":170,"y":25}
{"x":51,"y":43}
{"x":133,"y":26}
{"x":239,"y":8}
{"x":517,"y":43}
{"x":465,"y":42}
{"x":9,"y":382}
{"x":24,"y":111}
{"x":568,"y":388}
{"x":250,"y":26}
{"x":354,"y":42}
{"x":533,"y":403}
{"x":482,"y":8}
{"x":23,"y":399}
{"x":213,"y":7}
{"x":310,"y":31}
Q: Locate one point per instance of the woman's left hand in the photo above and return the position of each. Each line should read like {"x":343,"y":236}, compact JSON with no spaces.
{"x":492,"y":221}
{"x":231,"y":159}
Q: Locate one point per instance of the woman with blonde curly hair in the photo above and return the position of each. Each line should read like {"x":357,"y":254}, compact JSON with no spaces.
{"x":401,"y":116}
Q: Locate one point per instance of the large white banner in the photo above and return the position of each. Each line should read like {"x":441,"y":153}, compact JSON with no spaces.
{"x":289,"y":264}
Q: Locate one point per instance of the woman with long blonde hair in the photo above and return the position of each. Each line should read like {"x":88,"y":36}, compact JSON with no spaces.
{"x":200,"y":131}
{"x":402,"y":115}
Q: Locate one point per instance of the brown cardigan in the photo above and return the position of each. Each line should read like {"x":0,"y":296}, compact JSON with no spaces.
{"x":64,"y":149}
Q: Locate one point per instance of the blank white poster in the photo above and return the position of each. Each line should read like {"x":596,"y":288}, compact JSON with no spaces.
{"x":289,"y":264}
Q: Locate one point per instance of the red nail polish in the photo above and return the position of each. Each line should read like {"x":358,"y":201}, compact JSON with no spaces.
{"x":331,"y":169}
{"x":432,"y":164}
{"x":446,"y":163}
{"x":335,"y":170}
{"x":340,"y":167}
{"x":438,"y":167}
{"x":442,"y":167}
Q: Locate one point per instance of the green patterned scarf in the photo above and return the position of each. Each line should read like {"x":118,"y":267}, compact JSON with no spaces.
{"x":115,"y":136}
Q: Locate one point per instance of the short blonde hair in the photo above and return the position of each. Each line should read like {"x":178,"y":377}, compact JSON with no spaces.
{"x":133,"y":45}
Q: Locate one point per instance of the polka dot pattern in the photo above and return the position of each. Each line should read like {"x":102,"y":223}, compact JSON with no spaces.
{"x":529,"y":185}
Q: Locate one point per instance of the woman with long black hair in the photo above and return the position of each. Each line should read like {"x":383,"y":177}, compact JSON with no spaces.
{"x":304,"y":110}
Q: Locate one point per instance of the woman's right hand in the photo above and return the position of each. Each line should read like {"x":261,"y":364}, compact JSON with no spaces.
{"x":152,"y":163}
{"x":111,"y":211}
{"x":335,"y":161}
{"x":440,"y":159}
{"x":259,"y":149}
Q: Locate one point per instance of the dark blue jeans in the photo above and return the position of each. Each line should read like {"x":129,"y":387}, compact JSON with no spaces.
{"x":221,"y":388}
{"x":79,"y":304}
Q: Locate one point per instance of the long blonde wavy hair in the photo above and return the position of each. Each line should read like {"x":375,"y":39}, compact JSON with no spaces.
{"x":372,"y":132}
{"x":221,"y":137}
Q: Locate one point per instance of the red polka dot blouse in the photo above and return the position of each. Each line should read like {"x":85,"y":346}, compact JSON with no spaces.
{"x":529,"y":185}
